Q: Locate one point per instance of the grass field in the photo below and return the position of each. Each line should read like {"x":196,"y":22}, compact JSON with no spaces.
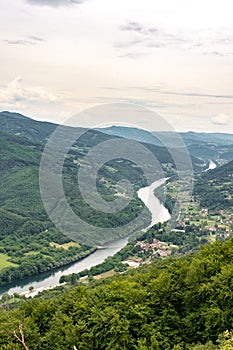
{"x":4,"y":262}
{"x":65,"y":245}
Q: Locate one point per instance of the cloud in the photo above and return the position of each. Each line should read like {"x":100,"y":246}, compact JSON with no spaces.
{"x":14,"y":94}
{"x":194,"y":94}
{"x":133,"y":55}
{"x":138,"y":28}
{"x":36,"y":38}
{"x":207,"y":41}
{"x":180,"y":93}
{"x":214,"y":53}
{"x":148,"y":37}
{"x":19,"y":42}
{"x":55,"y":3}
{"x":128,"y":44}
{"x":30,"y":40}
{"x":220,"y":119}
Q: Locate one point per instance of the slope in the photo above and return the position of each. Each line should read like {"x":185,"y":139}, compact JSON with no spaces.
{"x":169,"y":305}
{"x":214,"y":189}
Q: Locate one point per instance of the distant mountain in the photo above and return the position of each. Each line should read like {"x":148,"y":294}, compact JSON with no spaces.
{"x":22,"y":126}
{"x":132,"y":133}
{"x":215,"y":138}
{"x":190,"y":137}
{"x":216,"y":146}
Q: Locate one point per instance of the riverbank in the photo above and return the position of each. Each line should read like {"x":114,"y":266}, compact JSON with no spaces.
{"x":32,"y":293}
{"x":53,"y":277}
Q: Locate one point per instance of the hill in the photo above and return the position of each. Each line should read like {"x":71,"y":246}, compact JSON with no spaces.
{"x":20,"y":125}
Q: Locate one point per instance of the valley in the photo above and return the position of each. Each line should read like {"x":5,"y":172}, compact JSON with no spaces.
{"x":187,"y":224}
{"x":31,"y":245}
{"x":27,"y":235}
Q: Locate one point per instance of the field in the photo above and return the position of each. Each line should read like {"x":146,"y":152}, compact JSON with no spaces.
{"x":65,"y":245}
{"x":4,"y":263}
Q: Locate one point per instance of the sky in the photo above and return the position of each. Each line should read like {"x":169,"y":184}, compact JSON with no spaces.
{"x":59,"y":57}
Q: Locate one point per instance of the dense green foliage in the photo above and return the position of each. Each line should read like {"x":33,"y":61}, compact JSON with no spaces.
{"x":172,"y":304}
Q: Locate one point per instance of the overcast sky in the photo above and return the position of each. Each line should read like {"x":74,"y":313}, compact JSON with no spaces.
{"x":172,"y":56}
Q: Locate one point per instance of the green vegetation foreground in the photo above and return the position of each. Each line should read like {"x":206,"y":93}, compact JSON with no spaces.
{"x":171,"y":304}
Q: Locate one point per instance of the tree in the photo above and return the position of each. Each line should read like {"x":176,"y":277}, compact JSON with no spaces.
{"x":31,"y":288}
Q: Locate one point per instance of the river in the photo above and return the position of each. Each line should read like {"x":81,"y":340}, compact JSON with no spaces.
{"x":159,"y":214}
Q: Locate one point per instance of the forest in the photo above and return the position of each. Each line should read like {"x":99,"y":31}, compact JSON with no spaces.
{"x":177,"y":303}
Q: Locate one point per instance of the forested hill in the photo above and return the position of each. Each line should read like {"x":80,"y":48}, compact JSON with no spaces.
{"x":38,"y":131}
{"x":214,"y":189}
{"x":222,"y":173}
{"x":20,"y":125}
{"x":174,"y":304}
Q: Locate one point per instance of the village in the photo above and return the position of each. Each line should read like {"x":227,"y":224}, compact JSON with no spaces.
{"x":147,"y":252}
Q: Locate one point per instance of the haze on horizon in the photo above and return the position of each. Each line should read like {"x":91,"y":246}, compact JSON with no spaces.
{"x":174,"y":57}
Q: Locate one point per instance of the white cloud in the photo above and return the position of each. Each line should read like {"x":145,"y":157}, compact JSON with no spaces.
{"x":220,"y":119}
{"x":209,"y":41}
{"x":29,"y":40}
{"x":14,"y":93}
{"x":55,"y":3}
